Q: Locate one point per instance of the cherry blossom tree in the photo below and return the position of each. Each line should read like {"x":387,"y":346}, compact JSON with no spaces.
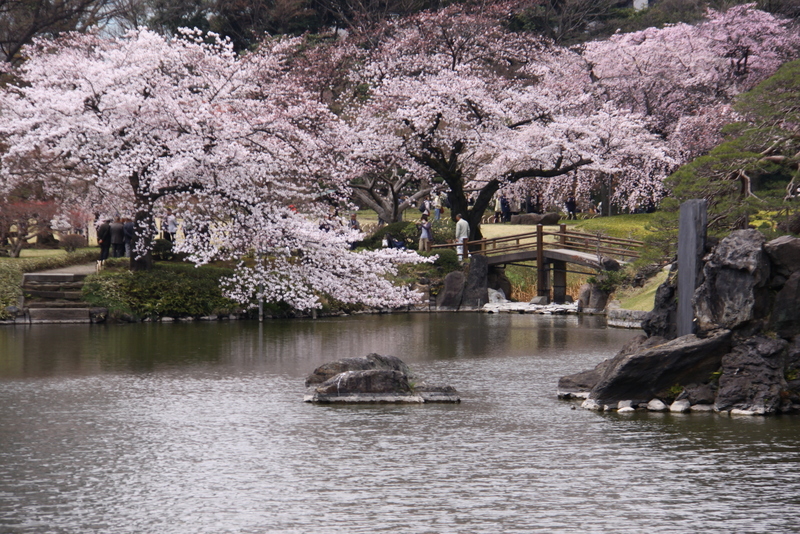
{"x":683,"y":77}
{"x":459,"y":98}
{"x":229,"y":142}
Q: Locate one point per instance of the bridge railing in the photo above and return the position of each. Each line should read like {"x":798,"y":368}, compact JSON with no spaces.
{"x":620,"y":248}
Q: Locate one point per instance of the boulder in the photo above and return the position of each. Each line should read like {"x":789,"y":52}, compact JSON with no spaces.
{"x":546,"y":219}
{"x":579,"y":385}
{"x":450,"y":296}
{"x":700,"y":394}
{"x":475,"y":289}
{"x":496,"y":296}
{"x":785,"y":318}
{"x":498,"y":280}
{"x":592,"y":299}
{"x":734,"y":288}
{"x":372,"y":385}
{"x":680,"y":406}
{"x":375,"y":378}
{"x":661,"y":321}
{"x":371,"y":361}
{"x":646,"y":373}
{"x":752,"y":377}
{"x":784,"y":253}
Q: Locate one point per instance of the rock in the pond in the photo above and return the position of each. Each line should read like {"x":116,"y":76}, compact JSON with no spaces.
{"x":374,"y":379}
{"x":371,"y":361}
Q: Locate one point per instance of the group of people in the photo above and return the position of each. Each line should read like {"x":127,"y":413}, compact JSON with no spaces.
{"x":115,"y":237}
{"x":115,"y":234}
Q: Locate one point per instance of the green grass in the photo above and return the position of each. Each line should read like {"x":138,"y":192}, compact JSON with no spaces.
{"x":624,"y":226}
{"x":642,"y":298}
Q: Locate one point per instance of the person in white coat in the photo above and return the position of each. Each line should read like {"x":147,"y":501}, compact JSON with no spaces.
{"x":462,"y":235}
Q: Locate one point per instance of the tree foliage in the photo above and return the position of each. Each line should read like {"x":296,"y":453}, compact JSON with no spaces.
{"x":231,"y":143}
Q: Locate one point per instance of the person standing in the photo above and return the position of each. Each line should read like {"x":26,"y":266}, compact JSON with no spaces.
{"x":571,"y":206}
{"x":354,"y":224}
{"x":104,"y":240}
{"x":462,"y":235}
{"x":117,"y":238}
{"x":425,"y":235}
{"x":127,"y":230}
{"x":169,"y":226}
{"x":437,"y":206}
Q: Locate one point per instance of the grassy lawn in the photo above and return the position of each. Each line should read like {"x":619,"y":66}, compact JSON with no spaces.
{"x":641,"y":298}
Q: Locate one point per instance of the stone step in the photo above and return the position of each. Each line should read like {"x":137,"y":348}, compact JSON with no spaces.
{"x":49,"y":286}
{"x":58,"y":278}
{"x":65,"y":295}
{"x":55,"y":304}
{"x":59,"y":315}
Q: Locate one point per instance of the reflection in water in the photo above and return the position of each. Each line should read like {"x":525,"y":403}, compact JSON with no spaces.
{"x":199,"y":428}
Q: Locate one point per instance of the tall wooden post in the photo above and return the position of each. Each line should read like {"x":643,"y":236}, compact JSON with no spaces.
{"x":542,"y":285}
{"x":693,"y":222}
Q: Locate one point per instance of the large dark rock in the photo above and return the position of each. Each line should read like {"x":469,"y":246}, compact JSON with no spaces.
{"x":644,"y":374}
{"x":752,"y":377}
{"x":784,"y":253}
{"x":662,"y":320}
{"x":785,"y":318}
{"x":450,"y":296}
{"x":579,"y":385}
{"x":371,"y":361}
{"x":734,"y":288}
{"x":476,"y":292}
{"x":536,"y":218}
{"x":375,"y":378}
{"x":372,"y":382}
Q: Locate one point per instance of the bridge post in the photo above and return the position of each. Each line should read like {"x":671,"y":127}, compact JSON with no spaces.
{"x":542,"y":283}
{"x":559,"y":281}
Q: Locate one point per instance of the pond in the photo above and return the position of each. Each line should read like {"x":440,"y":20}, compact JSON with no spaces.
{"x":200,"y":428}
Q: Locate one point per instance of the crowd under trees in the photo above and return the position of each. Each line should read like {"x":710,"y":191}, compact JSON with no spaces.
{"x":254,"y":141}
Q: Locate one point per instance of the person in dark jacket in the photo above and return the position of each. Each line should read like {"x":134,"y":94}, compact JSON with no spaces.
{"x":117,"y":238}
{"x":127,"y":230}
{"x":104,"y":238}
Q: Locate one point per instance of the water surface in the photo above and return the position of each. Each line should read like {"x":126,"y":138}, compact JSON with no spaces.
{"x":200,"y":428}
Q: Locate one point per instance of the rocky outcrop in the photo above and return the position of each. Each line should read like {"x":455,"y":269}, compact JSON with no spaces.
{"x":592,"y":299}
{"x":744,"y":357}
{"x":536,"y":218}
{"x":373,"y":379}
{"x":734,"y":288}
{"x":476,"y":292}
{"x":450,"y":296}
{"x":752,"y":377}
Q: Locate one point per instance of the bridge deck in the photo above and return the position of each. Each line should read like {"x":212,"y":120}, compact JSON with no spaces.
{"x":571,"y":256}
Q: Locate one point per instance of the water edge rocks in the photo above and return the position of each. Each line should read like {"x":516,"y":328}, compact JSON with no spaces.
{"x":744,"y":358}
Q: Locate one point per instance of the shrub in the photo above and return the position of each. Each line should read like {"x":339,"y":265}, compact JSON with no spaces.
{"x":72,"y":242}
{"x":174,"y":290}
{"x":162,"y":250}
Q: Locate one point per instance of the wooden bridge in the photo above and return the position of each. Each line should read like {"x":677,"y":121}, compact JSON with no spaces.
{"x":556,"y":249}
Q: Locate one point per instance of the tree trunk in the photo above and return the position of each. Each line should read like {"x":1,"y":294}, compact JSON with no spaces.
{"x":144,"y":231}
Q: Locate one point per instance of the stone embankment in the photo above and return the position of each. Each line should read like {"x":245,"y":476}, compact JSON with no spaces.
{"x":744,"y":357}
